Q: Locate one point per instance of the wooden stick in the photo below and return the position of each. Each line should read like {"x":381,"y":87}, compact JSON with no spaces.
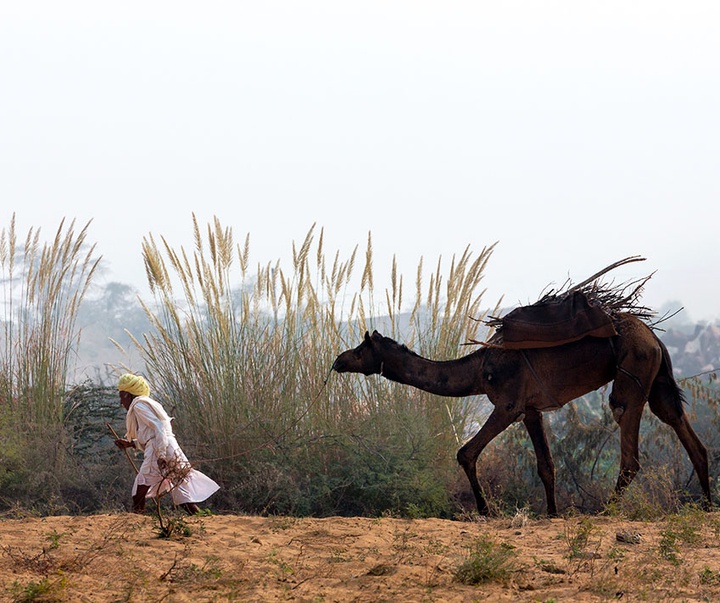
{"x":127,"y":454}
{"x":597,"y":275}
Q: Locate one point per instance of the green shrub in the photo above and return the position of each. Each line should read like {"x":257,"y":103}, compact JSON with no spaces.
{"x":487,"y":561}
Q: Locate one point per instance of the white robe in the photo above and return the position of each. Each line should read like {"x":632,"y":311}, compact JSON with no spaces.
{"x":148,"y":425}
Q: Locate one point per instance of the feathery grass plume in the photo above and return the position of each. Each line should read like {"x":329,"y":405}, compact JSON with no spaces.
{"x":43,"y":288}
{"x":245,"y":361}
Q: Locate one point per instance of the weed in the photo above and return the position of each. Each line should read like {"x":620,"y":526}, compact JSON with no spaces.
{"x":616,"y":554}
{"x":520,"y":518}
{"x":682,"y":527}
{"x":172,"y":527}
{"x":283,"y":566}
{"x":487,"y":561}
{"x":577,"y":537}
{"x":54,"y":539}
{"x":687,"y":523}
{"x":709,"y":577}
{"x":668,"y":547}
{"x":413,"y":511}
{"x":259,"y":346}
{"x":436,"y":547}
{"x":279,"y":523}
{"x":402,"y":545}
{"x":209,"y":571}
{"x":339,"y":555}
{"x":47,"y":589}
{"x":42,"y":562}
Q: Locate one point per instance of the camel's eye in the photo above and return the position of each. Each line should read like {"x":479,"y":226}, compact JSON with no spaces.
{"x":488,"y":376}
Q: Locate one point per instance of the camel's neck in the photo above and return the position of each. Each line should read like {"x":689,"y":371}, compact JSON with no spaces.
{"x":461,"y":377}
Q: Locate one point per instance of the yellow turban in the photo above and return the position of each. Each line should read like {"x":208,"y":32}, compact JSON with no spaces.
{"x":134,"y":384}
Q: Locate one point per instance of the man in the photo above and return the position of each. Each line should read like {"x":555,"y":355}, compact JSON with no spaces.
{"x":165,"y":467}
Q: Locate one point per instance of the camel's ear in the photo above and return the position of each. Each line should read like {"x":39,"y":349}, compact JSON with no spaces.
{"x":376,"y":335}
{"x":367,"y":336}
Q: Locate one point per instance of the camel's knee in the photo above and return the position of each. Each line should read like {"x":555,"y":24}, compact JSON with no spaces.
{"x":465,"y":458}
{"x":460,"y":456}
{"x":546,"y":471}
{"x":617,"y":408}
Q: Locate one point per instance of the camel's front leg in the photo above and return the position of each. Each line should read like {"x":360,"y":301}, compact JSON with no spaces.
{"x":545,"y":466}
{"x":467,"y":456}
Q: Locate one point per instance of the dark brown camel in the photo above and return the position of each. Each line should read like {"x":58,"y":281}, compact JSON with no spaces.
{"x":522,"y":384}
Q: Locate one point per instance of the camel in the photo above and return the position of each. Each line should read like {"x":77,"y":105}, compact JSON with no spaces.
{"x":523,"y":384}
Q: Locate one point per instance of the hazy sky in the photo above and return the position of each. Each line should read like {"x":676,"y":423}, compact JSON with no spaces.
{"x":572,"y":133}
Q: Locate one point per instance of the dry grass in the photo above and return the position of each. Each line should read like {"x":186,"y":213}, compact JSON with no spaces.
{"x":43,"y":286}
{"x":245,"y":358}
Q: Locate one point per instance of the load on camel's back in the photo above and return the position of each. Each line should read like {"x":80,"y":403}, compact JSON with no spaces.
{"x":540,"y":358}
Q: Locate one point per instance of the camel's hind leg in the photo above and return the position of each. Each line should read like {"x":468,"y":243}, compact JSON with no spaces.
{"x":636,"y":370}
{"x":545,"y":466}
{"x":638,"y":357}
{"x":666,"y":403}
{"x":629,"y":422}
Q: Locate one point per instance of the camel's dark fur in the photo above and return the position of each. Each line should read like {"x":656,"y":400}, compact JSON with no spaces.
{"x":522,"y":384}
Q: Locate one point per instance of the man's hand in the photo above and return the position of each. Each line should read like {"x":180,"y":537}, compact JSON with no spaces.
{"x":123,"y":443}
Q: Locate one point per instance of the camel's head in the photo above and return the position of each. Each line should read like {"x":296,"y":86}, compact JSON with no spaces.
{"x":365,"y":359}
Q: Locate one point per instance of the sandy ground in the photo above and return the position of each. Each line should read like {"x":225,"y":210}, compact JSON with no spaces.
{"x":107,"y":558}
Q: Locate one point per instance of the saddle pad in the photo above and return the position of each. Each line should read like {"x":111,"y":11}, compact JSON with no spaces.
{"x":555,"y":323}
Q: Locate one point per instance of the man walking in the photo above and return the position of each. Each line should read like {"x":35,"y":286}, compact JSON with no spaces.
{"x":165,"y":466}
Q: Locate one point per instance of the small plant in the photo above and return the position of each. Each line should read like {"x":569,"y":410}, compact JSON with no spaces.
{"x":616,"y":554}
{"x":413,"y":511}
{"x":339,"y":555}
{"x":650,"y":498}
{"x":520,"y":518}
{"x":436,"y":547}
{"x":681,"y":528}
{"x":284,"y":568}
{"x":668,"y":547}
{"x":45,"y":589}
{"x":487,"y":561}
{"x":709,"y":577}
{"x":170,"y":527}
{"x":686,"y":524}
{"x":54,"y":539}
{"x":577,"y":538}
{"x":209,"y":571}
{"x":280,"y":523}
{"x":42,"y":562}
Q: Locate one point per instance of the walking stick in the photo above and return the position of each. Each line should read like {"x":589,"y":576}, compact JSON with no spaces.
{"x":165,"y":529}
{"x":127,"y":454}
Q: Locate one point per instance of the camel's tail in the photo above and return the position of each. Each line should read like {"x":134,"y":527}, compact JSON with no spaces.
{"x":665,"y":394}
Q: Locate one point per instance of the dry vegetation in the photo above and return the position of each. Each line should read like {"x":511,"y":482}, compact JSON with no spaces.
{"x":105,"y":558}
{"x":241,"y":359}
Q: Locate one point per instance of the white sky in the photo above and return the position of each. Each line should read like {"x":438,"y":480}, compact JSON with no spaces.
{"x":572,"y":133}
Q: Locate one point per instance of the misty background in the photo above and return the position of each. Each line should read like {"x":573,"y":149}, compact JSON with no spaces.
{"x":571,"y":134}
